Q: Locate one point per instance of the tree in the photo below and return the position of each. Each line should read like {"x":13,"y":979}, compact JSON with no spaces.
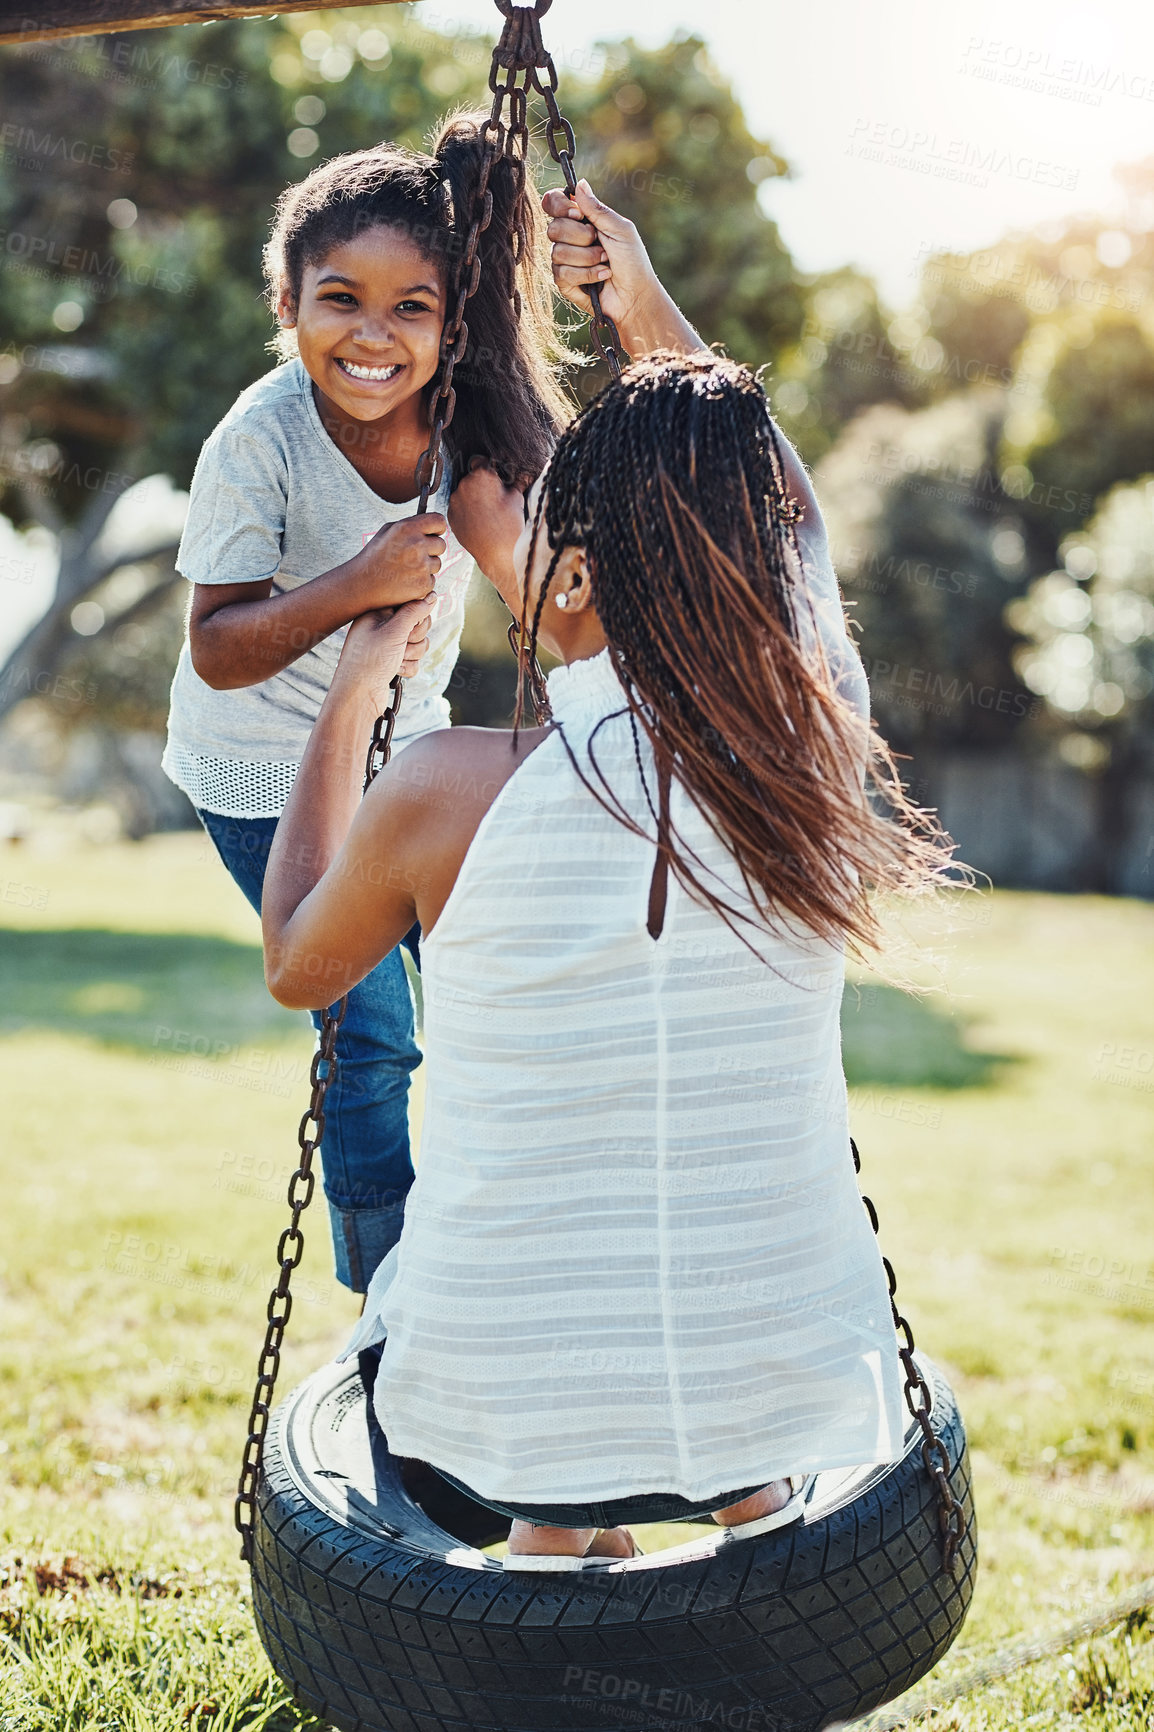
{"x":1097,"y":425}
{"x":1089,"y":651}
{"x":1039,"y":355}
{"x":1061,"y":317}
{"x":930,"y":546}
{"x":977,"y":324}
{"x":851,"y":355}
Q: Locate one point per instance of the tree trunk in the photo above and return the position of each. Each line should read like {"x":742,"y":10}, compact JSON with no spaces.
{"x":34,"y":665}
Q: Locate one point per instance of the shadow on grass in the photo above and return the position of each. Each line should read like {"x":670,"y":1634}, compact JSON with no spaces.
{"x":186,"y":992}
{"x":895,"y":1040}
{"x":173,"y":990}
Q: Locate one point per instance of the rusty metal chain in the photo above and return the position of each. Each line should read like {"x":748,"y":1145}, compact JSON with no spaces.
{"x":381,"y":742}
{"x":290,"y":1249}
{"x":525,"y":23}
{"x":528,"y":65}
{"x":519,"y":53}
{"x":538,"y":690}
{"x":280,"y":1299}
{"x":920,"y":1403}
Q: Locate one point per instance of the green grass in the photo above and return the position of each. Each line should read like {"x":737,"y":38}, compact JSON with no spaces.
{"x":153,"y":1094}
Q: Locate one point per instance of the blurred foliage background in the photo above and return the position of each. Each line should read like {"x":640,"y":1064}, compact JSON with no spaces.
{"x":985,"y":455}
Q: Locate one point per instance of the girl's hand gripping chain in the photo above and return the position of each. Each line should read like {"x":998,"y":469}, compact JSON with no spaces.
{"x":400,"y":562}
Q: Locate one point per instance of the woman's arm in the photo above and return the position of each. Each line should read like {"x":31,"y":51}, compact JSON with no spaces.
{"x":331,"y":909}
{"x":240,"y":633}
{"x":347,"y":877}
{"x":487,"y":518}
{"x":607,"y":249}
{"x":821,"y":593}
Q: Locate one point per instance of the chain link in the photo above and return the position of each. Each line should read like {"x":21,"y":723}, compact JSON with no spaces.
{"x":538,"y":690}
{"x":290,"y":1249}
{"x":606,"y":339}
{"x":919,"y":1400}
{"x":524,"y":56}
{"x":381,"y":743}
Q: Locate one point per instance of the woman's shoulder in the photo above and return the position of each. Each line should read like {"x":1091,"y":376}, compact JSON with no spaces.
{"x":470,"y":764}
{"x":444,"y":782}
{"x":428,"y":803}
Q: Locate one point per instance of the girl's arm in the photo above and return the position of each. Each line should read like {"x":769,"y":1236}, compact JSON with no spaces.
{"x":486,"y":518}
{"x":240,"y":633}
{"x":608,"y":250}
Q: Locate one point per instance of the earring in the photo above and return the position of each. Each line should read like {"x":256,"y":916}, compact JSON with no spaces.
{"x":562,"y":600}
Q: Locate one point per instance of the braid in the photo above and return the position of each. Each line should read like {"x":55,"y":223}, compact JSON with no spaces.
{"x":674,"y":482}
{"x":528,"y":666}
{"x":538,"y":610}
{"x":635,"y":731}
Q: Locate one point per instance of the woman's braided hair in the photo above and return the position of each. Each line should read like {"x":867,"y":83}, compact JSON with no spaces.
{"x":673,"y":482}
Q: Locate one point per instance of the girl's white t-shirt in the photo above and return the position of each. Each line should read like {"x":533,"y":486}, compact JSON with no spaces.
{"x":274,"y":496}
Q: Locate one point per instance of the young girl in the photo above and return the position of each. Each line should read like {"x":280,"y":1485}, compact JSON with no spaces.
{"x":302,"y":519}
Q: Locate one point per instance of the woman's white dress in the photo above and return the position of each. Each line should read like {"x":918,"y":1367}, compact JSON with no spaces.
{"x":635,"y":1258}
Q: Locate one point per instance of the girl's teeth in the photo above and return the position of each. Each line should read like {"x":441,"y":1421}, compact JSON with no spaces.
{"x":367,"y":372}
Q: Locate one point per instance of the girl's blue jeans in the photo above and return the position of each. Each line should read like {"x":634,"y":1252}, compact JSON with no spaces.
{"x":368,"y":1168}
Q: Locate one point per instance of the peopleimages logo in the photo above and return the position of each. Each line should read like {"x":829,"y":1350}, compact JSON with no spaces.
{"x":28,"y":141}
{"x":956,"y":159}
{"x":44,"y":255}
{"x":1028,"y":67}
{"x":877,"y":575}
{"x":921,"y":688}
{"x":132,"y":62}
{"x":992,"y":273}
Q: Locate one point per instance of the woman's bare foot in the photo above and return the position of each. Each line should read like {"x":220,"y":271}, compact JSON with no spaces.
{"x":524,"y":1538}
{"x":771,"y":1497}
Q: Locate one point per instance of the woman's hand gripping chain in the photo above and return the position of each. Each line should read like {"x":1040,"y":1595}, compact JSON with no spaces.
{"x":594,"y":244}
{"x":381,"y":644}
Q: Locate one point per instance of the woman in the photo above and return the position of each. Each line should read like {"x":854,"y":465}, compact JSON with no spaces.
{"x":635,"y":1280}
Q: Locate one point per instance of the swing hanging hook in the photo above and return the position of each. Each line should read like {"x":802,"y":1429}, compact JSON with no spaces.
{"x":506,"y":8}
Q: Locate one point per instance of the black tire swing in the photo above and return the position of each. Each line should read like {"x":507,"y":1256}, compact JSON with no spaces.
{"x":372,"y":1597}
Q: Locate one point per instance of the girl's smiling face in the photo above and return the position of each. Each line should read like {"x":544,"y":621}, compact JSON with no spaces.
{"x":368,"y":324}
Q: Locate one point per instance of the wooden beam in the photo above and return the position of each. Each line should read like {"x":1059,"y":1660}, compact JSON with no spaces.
{"x":97,"y":17}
